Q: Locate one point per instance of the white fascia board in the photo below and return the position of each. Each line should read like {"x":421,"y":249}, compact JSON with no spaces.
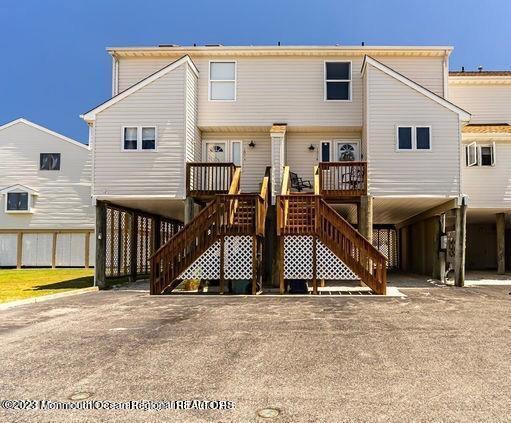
{"x":463,"y":114}
{"x":90,"y":116}
{"x":43,"y":129}
{"x":20,"y":188}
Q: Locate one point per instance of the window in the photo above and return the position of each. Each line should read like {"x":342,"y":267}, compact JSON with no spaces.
{"x":137,"y":138}
{"x":222,"y":81}
{"x":17,"y":201}
{"x":413,"y":138}
{"x":236,"y":152}
{"x":423,"y":138}
{"x":404,"y":138}
{"x":480,"y":155}
{"x":338,"y":81}
{"x":49,"y":161}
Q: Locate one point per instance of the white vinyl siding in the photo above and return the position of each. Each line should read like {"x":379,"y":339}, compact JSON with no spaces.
{"x":37,"y":250}
{"x":390,"y":104}
{"x":8,"y":249}
{"x":163,"y":103}
{"x":64,"y":197}
{"x":495,"y":192}
{"x":486,"y":103}
{"x":70,"y":250}
{"x":193,"y":136}
{"x":283,"y":89}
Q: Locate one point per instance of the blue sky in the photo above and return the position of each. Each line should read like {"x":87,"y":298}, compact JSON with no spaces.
{"x":54,"y":65}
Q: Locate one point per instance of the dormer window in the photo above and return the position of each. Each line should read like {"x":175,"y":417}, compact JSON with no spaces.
{"x":18,"y":199}
{"x":49,"y":161}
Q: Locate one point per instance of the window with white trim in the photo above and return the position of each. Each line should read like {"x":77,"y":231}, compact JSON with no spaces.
{"x":411,"y":138}
{"x":17,"y":202}
{"x":338,"y":81}
{"x":139,"y":138}
{"x":222,"y":81}
{"x":49,"y":161}
{"x":479,"y":155}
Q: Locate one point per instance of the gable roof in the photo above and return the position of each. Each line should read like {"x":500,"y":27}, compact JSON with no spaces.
{"x":19,"y":187}
{"x":90,"y":116}
{"x":43,"y":129}
{"x":463,"y":114}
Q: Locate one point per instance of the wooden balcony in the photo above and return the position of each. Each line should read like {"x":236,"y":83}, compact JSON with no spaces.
{"x":342,"y":181}
{"x":205,"y":180}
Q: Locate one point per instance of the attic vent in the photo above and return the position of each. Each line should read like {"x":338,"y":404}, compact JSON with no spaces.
{"x":213,"y":45}
{"x":168,"y":45}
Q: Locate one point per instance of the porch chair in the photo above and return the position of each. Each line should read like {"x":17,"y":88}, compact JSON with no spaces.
{"x":298,"y":183}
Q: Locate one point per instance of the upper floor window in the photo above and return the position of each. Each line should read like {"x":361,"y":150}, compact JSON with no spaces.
{"x":413,"y":138}
{"x":139,"y":138}
{"x":480,"y":155}
{"x":222,"y":81}
{"x":338,"y":81}
{"x":49,"y":161}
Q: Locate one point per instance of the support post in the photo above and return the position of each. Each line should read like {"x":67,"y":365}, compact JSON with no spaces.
{"x":222,"y":265}
{"x":54,"y":251}
{"x":19,"y":251}
{"x":156,"y":233}
{"x":134,"y":247}
{"x":254,"y":265}
{"x":366,"y":217}
{"x":442,"y":256}
{"x":281,"y":264}
{"x":501,"y":243}
{"x":314,"y":266}
{"x":189,"y":209}
{"x":459,"y":259}
{"x":87,"y":250}
{"x":436,"y":271}
{"x":100,"y":267}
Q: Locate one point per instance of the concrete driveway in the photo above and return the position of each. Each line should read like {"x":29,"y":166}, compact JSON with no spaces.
{"x":440,"y":354}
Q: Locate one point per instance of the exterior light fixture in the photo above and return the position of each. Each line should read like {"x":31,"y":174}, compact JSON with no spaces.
{"x":251,"y":144}
{"x":311,"y":148}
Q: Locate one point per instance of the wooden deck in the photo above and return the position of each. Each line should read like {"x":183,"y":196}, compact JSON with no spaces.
{"x":205,"y":180}
{"x":342,"y":181}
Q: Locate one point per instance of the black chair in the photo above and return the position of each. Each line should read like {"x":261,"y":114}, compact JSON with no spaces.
{"x":298,"y":183}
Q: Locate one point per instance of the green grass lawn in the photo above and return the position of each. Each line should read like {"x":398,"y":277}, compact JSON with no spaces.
{"x":27,"y":283}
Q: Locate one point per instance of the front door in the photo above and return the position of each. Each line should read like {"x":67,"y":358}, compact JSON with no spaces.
{"x":216,"y":152}
{"x":347,"y":151}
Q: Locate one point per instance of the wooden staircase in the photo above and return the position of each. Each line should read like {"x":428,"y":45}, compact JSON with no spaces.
{"x":231,"y":214}
{"x":311,"y":215}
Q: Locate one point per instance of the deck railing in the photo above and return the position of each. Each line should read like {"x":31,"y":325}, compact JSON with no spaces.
{"x":342,"y":179}
{"x":207,"y":179}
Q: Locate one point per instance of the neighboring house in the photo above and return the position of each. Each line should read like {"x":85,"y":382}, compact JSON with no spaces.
{"x":369,"y":130}
{"x":486,"y":173}
{"x":46,"y":214}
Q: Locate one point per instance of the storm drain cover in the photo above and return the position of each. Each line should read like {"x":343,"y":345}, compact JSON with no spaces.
{"x":80,"y":396}
{"x":268,"y":413}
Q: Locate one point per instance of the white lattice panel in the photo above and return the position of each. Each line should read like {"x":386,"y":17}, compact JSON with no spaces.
{"x":298,"y":257}
{"x":298,"y":261}
{"x":329,"y":266}
{"x":238,"y":257}
{"x":207,"y":266}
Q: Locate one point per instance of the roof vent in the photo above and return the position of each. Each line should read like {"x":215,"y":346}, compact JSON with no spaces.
{"x":213,"y":45}
{"x":168,"y":45}
{"x":480,"y":68}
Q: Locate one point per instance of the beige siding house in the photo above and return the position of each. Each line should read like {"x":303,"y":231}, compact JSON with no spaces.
{"x":486,"y":175}
{"x":46,"y":213}
{"x":376,"y":133}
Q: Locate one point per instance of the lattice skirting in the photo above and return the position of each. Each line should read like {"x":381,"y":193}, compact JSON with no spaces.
{"x":237,"y":260}
{"x":298,"y":261}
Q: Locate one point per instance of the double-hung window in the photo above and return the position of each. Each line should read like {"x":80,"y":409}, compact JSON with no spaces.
{"x":222,"y":81}
{"x":49,"y":161}
{"x":139,"y":138}
{"x":338,"y":81}
{"x":480,"y":155}
{"x":411,"y":138}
